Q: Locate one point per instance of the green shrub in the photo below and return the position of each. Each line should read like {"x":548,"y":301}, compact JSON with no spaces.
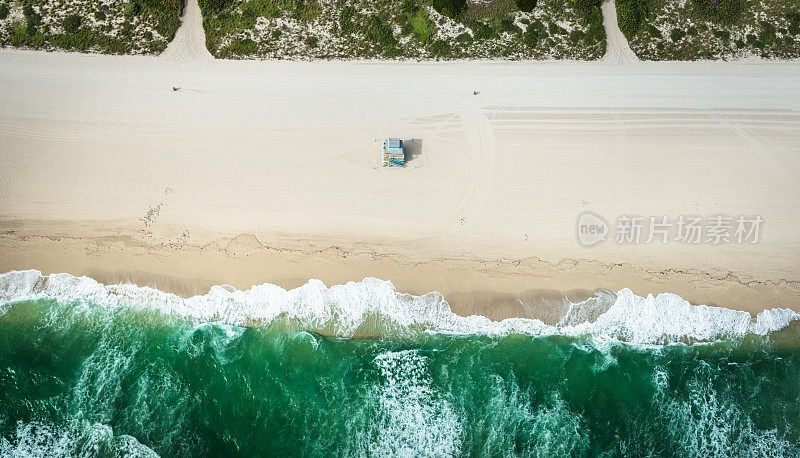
{"x":482,"y":31}
{"x":99,"y":16}
{"x":723,"y":35}
{"x":653,"y":31}
{"x":754,"y":41}
{"x":633,"y":14}
{"x":530,"y":39}
{"x":526,"y":5}
{"x":312,"y":42}
{"x":131,"y":10}
{"x":346,"y":20}
{"x":409,"y":8}
{"x":464,"y":38}
{"x":555,"y":29}
{"x":440,"y":48}
{"x":508,"y":26}
{"x":243,"y":47}
{"x":4,"y":11}
{"x":32,"y":20}
{"x":585,"y":7}
{"x":794,"y":23}
{"x":591,"y":15}
{"x":450,"y":8}
{"x":422,"y":26}
{"x":722,"y":11}
{"x":213,"y":6}
{"x":379,"y":31}
{"x":768,"y":33}
{"x":677,"y":34}
{"x":72,"y":23}
{"x":691,"y":31}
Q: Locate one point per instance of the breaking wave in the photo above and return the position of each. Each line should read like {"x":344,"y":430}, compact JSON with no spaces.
{"x":373,"y":308}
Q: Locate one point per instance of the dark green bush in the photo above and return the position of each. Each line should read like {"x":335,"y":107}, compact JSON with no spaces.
{"x":213,"y":6}
{"x":677,"y":34}
{"x":526,"y":5}
{"x":768,"y":32}
{"x":590,"y":14}
{"x":653,"y":31}
{"x":722,"y":11}
{"x":409,"y":8}
{"x":723,"y":35}
{"x":508,"y":26}
{"x":312,"y":41}
{"x":464,"y":38}
{"x":530,"y":39}
{"x":440,"y":48}
{"x":633,"y":14}
{"x":346,"y":20}
{"x":99,"y":16}
{"x":585,"y":7}
{"x":72,"y":23}
{"x":379,"y":31}
{"x":555,"y":29}
{"x":32,"y":20}
{"x":4,"y":11}
{"x":243,"y":47}
{"x":535,"y":32}
{"x":131,"y":10}
{"x":483,"y":31}
{"x":450,"y":8}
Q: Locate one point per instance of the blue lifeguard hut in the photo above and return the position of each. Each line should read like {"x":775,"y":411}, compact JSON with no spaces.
{"x":394,"y":153}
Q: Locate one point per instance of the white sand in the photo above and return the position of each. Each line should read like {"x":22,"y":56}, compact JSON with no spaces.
{"x":287,"y":152}
{"x":618,"y":50}
{"x":189,"y":43}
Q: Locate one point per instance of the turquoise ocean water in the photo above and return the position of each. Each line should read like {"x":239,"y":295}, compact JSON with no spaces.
{"x":82,"y":378}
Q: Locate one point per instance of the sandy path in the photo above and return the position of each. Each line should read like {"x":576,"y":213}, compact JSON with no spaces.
{"x":190,"y":39}
{"x":286,"y":153}
{"x":618,"y":49}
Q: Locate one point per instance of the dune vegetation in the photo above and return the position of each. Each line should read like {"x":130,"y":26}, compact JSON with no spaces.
{"x":107,"y":26}
{"x":416,"y":29}
{"x":711,"y":29}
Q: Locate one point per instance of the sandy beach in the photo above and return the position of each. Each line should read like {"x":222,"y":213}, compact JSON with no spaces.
{"x":255,"y":172}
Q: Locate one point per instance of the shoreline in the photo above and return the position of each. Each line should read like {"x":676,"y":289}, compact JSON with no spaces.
{"x":495,"y":288}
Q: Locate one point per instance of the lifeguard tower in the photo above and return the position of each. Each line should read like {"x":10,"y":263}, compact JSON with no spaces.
{"x":394,"y":153}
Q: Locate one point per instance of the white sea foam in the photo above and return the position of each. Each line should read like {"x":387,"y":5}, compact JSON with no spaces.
{"x":373,"y":307}
{"x":81,"y":439}
{"x":412,"y":419}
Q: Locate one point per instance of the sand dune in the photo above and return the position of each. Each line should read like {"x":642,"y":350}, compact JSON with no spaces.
{"x":267,"y":171}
